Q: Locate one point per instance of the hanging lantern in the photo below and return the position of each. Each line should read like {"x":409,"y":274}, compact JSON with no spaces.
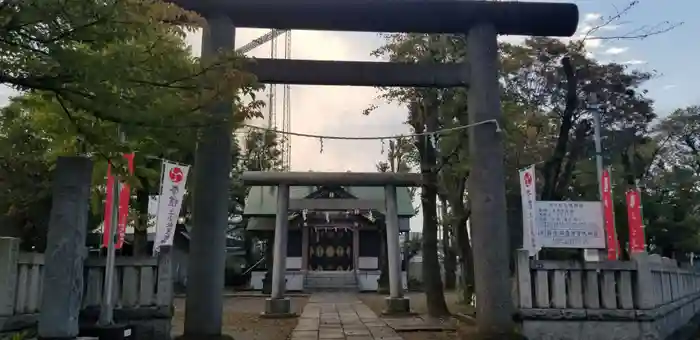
{"x":303,"y":214}
{"x":328,"y":217}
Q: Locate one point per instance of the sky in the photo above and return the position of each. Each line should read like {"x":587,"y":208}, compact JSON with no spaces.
{"x":337,"y":111}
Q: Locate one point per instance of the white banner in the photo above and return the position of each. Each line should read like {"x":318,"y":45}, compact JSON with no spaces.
{"x":172,"y":191}
{"x":569,"y":225}
{"x":152,"y":212}
{"x":527,"y":195}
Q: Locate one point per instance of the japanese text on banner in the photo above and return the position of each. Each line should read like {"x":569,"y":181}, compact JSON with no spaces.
{"x":169,"y":203}
{"x":527,"y":194}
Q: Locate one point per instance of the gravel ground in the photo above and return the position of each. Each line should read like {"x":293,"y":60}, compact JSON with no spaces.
{"x":242,"y":319}
{"x":376,"y":303}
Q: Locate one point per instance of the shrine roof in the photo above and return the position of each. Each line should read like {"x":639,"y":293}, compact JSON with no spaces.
{"x":262,"y":200}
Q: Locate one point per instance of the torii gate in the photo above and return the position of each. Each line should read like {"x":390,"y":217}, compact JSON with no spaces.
{"x":481,"y":21}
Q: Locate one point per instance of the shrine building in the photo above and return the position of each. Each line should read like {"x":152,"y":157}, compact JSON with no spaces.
{"x":334,"y":239}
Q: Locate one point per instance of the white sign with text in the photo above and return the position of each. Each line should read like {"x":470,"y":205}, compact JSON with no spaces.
{"x":569,"y":224}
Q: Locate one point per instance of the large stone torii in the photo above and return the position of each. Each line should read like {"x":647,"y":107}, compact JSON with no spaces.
{"x":481,"y":21}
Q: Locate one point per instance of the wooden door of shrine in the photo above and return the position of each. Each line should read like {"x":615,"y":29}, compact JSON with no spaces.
{"x":330,"y":249}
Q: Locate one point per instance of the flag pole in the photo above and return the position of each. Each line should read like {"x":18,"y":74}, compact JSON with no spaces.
{"x":107,"y":307}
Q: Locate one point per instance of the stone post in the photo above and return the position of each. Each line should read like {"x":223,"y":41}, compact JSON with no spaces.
{"x":395,"y":303}
{"x":207,"y":257}
{"x":487,"y":187}
{"x":9,"y":253}
{"x":65,"y":249}
{"x":644,"y":297}
{"x":277,"y":304}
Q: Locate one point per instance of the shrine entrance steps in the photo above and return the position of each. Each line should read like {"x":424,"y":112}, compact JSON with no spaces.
{"x":330,"y":281}
{"x":340,"y":317}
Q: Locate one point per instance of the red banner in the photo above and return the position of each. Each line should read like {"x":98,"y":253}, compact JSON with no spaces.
{"x":609,"y":216}
{"x":634,"y":219}
{"x":108,"y":208}
{"x":124,"y":195}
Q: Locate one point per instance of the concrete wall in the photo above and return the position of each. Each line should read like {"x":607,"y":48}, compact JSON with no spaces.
{"x":648,"y":298}
{"x":142,"y":291}
{"x":367,"y":280}
{"x":295,"y":280}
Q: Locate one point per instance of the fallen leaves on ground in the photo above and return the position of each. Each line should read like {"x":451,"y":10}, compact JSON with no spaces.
{"x":242,"y":319}
{"x":376,"y":303}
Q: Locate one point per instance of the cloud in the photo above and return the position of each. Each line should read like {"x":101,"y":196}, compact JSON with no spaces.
{"x":592,"y":17}
{"x":634,"y":62}
{"x":668,"y":87}
{"x":615,"y":50}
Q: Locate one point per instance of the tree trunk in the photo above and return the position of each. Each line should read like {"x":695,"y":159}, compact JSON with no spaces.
{"x":552,"y":167}
{"x":140,"y":245}
{"x":435,"y":295}
{"x":466,"y":260}
{"x":432,"y":282}
{"x":450,"y":261}
{"x":267,"y":280}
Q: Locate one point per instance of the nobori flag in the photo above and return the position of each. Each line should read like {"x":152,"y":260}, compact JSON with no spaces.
{"x":172,"y":191}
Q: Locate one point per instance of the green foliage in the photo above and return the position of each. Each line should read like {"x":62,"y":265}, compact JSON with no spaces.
{"x":547,"y":124}
{"x":84,"y":68}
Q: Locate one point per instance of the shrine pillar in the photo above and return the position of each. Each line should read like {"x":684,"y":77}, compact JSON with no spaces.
{"x":277,"y":305}
{"x":396,"y":302}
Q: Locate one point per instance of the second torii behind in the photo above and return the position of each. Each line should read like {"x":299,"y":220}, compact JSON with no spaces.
{"x":277,"y":303}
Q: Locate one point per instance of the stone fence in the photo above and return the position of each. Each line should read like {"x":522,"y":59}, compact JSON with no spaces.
{"x":142,"y":291}
{"x":647,"y":298}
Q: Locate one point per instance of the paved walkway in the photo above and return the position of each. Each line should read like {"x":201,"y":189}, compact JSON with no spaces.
{"x":337,"y":316}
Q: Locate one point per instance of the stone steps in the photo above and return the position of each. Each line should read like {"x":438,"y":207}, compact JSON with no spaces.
{"x":330,"y":281}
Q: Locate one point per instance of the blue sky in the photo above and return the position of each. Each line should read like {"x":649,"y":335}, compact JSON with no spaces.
{"x":673,"y":54}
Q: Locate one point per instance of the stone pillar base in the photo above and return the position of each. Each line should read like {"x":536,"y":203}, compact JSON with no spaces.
{"x":278,"y":308}
{"x":110,"y":332}
{"x":397,"y":306}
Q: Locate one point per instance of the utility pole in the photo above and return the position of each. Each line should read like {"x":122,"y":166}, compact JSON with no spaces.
{"x":593,"y":255}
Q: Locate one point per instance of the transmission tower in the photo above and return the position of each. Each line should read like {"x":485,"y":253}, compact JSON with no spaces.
{"x":287,"y":109}
{"x":272,"y":90}
{"x":284,"y":140}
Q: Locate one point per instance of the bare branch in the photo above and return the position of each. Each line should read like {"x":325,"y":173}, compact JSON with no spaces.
{"x":641,"y":32}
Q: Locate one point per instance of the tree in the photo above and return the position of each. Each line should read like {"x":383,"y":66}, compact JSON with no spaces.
{"x":25,"y":190}
{"x":547,"y":92}
{"x":262,"y":151}
{"x":668,"y":170}
{"x":441,"y":109}
{"x":99,"y":64}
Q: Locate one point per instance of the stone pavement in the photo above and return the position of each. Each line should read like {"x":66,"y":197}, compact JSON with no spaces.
{"x":337,"y":316}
